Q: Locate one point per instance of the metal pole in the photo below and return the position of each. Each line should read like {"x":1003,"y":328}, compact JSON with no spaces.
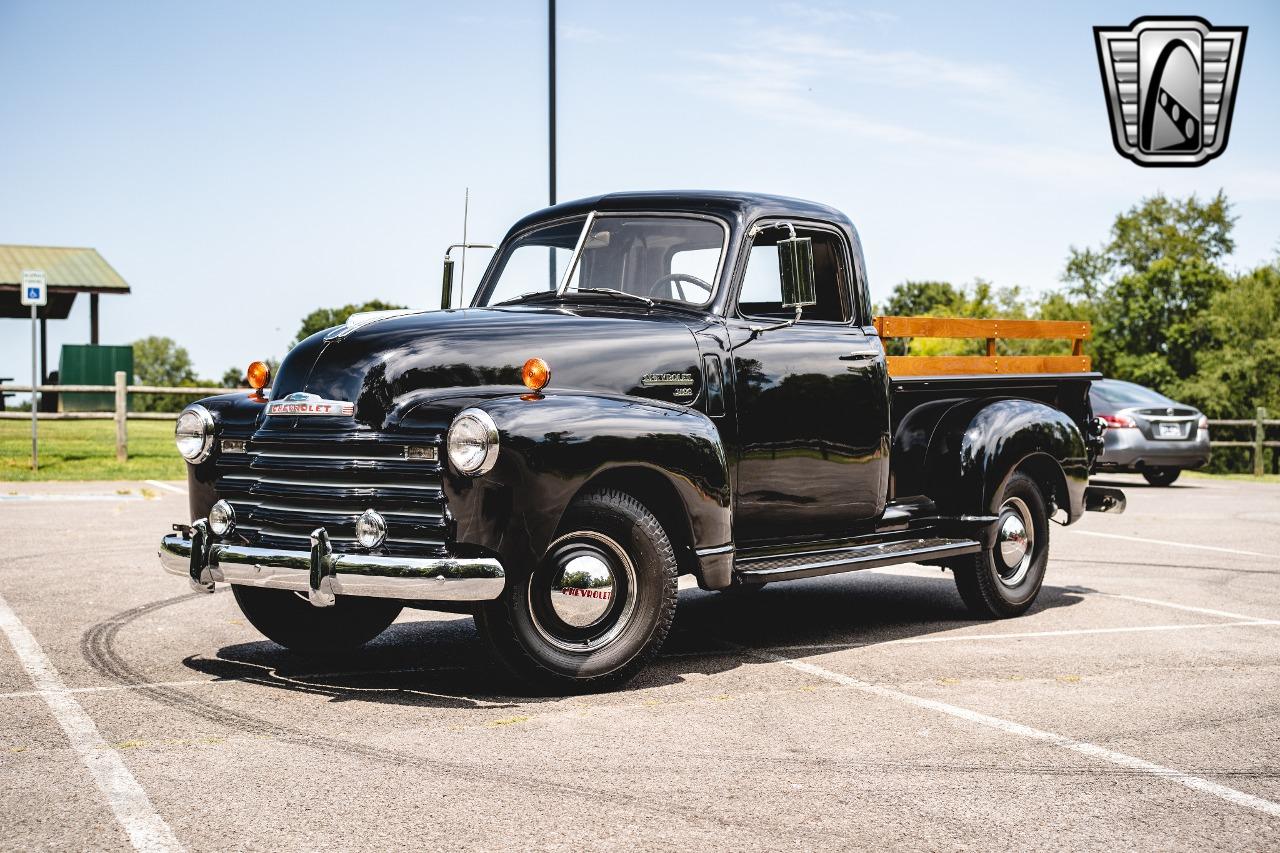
{"x":551,"y":97}
{"x":35,"y":451}
{"x":551,"y":124}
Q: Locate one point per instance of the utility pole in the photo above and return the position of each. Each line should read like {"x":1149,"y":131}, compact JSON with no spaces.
{"x":551,"y":98}
{"x":551,"y":125}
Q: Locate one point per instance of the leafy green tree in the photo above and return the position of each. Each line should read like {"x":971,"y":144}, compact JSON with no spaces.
{"x":924,"y":299}
{"x":1239,"y":368}
{"x":943,"y":299}
{"x":326,"y":318}
{"x":1148,"y":290}
{"x":160,"y":361}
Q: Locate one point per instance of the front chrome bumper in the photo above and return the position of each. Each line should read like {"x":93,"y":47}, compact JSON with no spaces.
{"x":321,"y":574}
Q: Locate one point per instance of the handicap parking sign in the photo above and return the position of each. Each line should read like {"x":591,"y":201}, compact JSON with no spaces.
{"x":34,"y":291}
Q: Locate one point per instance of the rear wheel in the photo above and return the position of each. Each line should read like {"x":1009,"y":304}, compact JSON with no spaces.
{"x":290,"y":620}
{"x":599,"y":605}
{"x":1005,"y":581}
{"x":1160,"y":476}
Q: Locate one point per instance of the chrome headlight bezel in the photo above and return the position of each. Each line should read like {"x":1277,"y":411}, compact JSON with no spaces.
{"x":207,"y":426}
{"x":480,"y":453}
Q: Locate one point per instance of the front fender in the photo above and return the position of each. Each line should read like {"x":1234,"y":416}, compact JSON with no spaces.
{"x":235,"y":414}
{"x":977,"y":445}
{"x":553,"y":445}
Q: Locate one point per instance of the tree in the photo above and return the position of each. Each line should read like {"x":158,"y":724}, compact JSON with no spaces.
{"x":943,"y":299}
{"x":326,"y":318}
{"x":1148,"y":290}
{"x":160,"y":361}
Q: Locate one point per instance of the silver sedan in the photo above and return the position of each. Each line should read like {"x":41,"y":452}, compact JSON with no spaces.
{"x":1147,"y":432}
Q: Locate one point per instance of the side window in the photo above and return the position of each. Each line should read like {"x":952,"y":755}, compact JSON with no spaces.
{"x":761,"y":294}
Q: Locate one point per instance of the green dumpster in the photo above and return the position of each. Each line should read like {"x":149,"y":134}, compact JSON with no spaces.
{"x":91,"y":364}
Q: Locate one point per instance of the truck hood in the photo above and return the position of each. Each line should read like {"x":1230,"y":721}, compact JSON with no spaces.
{"x":392,"y":364}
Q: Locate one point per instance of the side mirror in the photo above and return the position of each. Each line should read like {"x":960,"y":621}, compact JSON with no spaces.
{"x":795,"y":265}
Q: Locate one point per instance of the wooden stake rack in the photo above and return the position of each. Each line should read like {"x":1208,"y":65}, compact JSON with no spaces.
{"x":992,"y":331}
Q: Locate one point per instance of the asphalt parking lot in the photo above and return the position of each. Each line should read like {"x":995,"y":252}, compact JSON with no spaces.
{"x":1135,"y":707}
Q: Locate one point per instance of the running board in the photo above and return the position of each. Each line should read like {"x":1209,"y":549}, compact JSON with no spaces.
{"x":773,"y":568}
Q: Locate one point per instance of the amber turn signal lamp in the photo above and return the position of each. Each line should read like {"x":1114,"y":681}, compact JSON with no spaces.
{"x":259,"y":375}
{"x":536,"y":374}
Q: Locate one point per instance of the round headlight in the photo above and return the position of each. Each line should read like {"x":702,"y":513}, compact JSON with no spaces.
{"x":473,"y":442}
{"x":222,"y":518}
{"x":194,"y":433}
{"x":371,"y":529}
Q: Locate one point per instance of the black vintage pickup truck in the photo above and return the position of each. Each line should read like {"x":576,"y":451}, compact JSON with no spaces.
{"x":645,"y":385}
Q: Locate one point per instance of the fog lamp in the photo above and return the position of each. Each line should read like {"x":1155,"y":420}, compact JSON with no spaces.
{"x":473,"y":442}
{"x":259,"y":374}
{"x":536,"y":374}
{"x":222,"y":518}
{"x":371,"y":529}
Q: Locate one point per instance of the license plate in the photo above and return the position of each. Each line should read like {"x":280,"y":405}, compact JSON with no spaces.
{"x":1170,"y":431}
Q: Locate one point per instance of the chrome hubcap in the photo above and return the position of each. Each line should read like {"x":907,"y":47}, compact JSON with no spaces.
{"x":583,"y":597}
{"x":1015,"y":542}
{"x":582,"y":590}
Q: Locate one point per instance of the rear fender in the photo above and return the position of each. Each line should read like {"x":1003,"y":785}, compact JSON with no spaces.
{"x":553,"y":445}
{"x":978,"y":444}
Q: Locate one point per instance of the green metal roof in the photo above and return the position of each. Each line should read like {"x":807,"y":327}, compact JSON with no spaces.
{"x":64,"y":268}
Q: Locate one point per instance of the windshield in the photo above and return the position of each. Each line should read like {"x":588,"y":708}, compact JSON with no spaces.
{"x":669,"y":258}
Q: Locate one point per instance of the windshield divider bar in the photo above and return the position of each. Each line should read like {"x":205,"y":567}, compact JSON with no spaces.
{"x":577,"y":254}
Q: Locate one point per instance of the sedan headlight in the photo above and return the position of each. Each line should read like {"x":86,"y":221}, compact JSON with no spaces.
{"x":473,"y":442}
{"x":194,"y":433}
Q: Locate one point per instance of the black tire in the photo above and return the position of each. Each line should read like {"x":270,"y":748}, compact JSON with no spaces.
{"x":1160,"y":476}
{"x":524,"y":629}
{"x":992,"y":588}
{"x":286,"y":618}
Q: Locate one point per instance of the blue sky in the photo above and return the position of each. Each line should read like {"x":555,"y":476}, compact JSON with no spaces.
{"x":243,"y":163}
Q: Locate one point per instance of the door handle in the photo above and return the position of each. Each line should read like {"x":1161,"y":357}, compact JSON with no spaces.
{"x":861,"y":355}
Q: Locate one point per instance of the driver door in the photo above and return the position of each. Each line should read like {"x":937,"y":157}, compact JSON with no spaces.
{"x":812,"y":403}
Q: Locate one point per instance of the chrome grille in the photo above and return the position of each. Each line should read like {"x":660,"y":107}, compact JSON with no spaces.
{"x":285,"y":486}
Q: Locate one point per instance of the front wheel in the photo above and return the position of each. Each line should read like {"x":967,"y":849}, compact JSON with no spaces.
{"x":1160,"y":476}
{"x":599,"y":605}
{"x":287,"y":618}
{"x":1005,"y":581}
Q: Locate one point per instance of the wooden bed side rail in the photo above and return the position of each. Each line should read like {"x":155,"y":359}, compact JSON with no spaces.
{"x":992,"y":331}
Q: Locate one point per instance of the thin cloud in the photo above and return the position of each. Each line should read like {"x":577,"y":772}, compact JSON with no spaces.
{"x":828,"y":14}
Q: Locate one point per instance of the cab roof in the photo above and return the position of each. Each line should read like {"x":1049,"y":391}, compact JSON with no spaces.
{"x":740,"y":206}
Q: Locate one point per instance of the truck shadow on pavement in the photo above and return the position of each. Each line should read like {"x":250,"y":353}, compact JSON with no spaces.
{"x":443,"y":663}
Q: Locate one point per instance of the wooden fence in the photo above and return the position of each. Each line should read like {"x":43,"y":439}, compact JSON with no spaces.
{"x":1258,"y":444}
{"x":121,"y":415}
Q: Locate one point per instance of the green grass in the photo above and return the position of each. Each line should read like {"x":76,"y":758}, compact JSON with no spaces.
{"x":86,"y":450}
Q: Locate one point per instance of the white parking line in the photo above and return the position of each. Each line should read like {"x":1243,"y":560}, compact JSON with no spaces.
{"x":23,"y":498}
{"x":1171,"y":544}
{"x":127,"y":799}
{"x":1071,"y":632}
{"x":1130,"y":762}
{"x":1173,"y":605}
{"x":166,"y":486}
